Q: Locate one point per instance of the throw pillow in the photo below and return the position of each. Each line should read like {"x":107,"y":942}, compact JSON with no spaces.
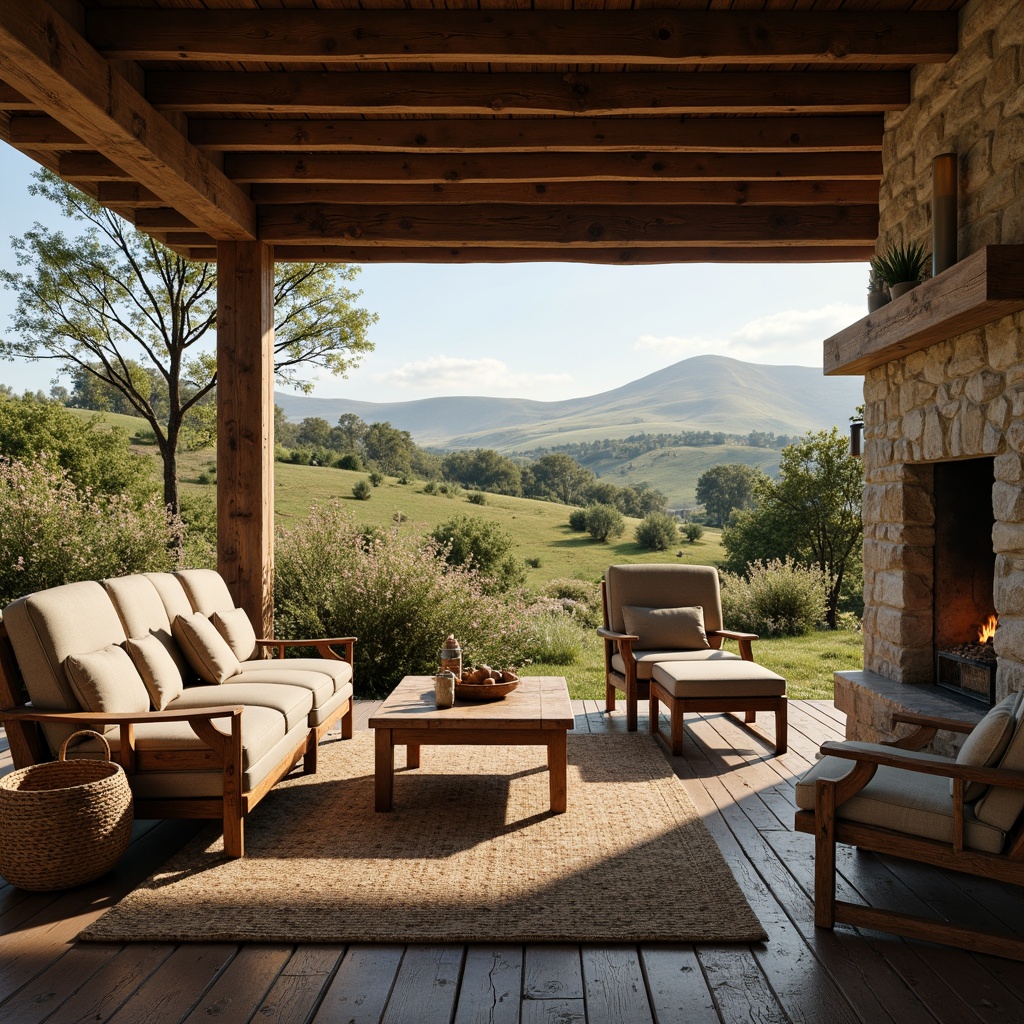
{"x":987,"y":742}
{"x":237,"y":630}
{"x":1001,"y":807}
{"x":157,"y":668}
{"x":107,"y":680}
{"x":666,"y":629}
{"x":205,"y":649}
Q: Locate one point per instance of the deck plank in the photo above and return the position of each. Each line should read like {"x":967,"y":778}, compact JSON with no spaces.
{"x":744,"y":794}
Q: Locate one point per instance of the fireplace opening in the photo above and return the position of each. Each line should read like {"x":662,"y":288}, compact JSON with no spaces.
{"x":964,"y":609}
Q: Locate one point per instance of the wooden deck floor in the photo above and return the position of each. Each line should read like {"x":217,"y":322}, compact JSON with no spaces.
{"x":745,"y":797}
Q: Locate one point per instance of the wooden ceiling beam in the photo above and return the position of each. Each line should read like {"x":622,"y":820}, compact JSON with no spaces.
{"x":482,"y":225}
{"x":90,"y":166}
{"x":582,"y":134}
{"x":42,"y":132}
{"x":46,"y":60}
{"x":627,"y":193}
{"x":538,"y":254}
{"x":425,"y":167}
{"x":530,"y":36}
{"x":11,"y":99}
{"x":421,"y":92}
{"x":127,"y":194}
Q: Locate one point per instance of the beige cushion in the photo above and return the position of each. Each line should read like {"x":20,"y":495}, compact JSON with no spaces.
{"x":339,"y":672}
{"x":293,"y":703}
{"x":318,"y":685}
{"x":235,"y":627}
{"x":660,"y":585}
{"x":158,"y":669}
{"x":106,"y":680}
{"x":646,"y":660}
{"x":204,"y":648}
{"x":207,"y":592}
{"x":1002,"y":806}
{"x":667,"y":628}
{"x":904,"y":801}
{"x":987,"y":742}
{"x":172,"y":594}
{"x":718,"y":679}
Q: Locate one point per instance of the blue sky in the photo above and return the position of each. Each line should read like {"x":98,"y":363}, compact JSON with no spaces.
{"x":545,"y":331}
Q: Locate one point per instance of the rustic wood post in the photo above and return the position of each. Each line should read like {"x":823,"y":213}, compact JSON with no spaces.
{"x":245,"y":427}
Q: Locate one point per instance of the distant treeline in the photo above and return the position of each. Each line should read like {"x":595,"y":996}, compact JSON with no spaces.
{"x":586,"y":453}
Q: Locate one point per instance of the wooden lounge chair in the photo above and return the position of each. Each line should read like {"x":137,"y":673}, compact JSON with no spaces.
{"x":894,"y":798}
{"x":663,"y":636}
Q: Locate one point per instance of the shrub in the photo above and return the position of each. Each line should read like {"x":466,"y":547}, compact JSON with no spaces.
{"x":578,"y":520}
{"x":52,"y":532}
{"x":605,"y":522}
{"x":396,"y":593}
{"x":483,"y":546}
{"x":533,"y":563}
{"x":658,"y":531}
{"x":477,"y":498}
{"x":376,"y":478}
{"x":430,"y":487}
{"x":361,"y":490}
{"x":199,"y":521}
{"x":774,"y":598}
{"x":558,"y":639}
{"x":349,"y":461}
{"x":404,"y":479}
{"x":693,"y":532}
{"x":579,"y":599}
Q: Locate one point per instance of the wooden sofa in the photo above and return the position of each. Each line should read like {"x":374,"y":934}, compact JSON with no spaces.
{"x":174,"y":677}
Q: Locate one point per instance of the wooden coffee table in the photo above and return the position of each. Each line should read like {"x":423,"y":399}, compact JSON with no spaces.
{"x":536,"y":713}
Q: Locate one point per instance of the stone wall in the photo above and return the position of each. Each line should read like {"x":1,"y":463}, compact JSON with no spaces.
{"x":964,"y":397}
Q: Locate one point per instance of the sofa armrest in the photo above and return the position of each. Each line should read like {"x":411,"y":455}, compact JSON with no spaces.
{"x":199,"y":719}
{"x":324,"y":646}
{"x":743,"y":639}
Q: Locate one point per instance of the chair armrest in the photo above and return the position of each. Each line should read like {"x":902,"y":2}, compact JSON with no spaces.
{"x":610,"y":634}
{"x":863,"y":753}
{"x":743,"y":639}
{"x":932,"y":721}
{"x":120,"y":718}
{"x":322,"y":645}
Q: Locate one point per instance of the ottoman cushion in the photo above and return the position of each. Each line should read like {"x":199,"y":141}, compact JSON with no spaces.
{"x":718,"y":679}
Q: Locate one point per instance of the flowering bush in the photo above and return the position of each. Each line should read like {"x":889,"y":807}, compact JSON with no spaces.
{"x":579,"y":599}
{"x":775,"y":598}
{"x":396,"y":594}
{"x":52,"y":533}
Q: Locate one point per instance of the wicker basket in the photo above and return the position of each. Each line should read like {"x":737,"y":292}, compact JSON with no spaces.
{"x":63,"y":823}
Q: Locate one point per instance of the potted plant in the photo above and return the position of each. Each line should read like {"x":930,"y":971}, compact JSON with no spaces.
{"x":878,"y":293}
{"x":901,"y":267}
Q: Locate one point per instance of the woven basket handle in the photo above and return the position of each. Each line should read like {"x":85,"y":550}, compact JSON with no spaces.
{"x":62,"y":756}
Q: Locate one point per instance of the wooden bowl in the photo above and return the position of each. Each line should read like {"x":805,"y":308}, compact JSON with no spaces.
{"x":485,"y":691}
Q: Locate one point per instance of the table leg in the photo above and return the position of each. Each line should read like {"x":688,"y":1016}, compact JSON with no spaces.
{"x":412,"y":755}
{"x":384,"y":769}
{"x":558,"y":762}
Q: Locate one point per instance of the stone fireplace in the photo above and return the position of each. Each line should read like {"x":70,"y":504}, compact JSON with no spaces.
{"x":943,"y":369}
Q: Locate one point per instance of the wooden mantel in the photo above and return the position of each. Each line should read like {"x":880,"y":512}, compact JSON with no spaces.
{"x":983,"y":287}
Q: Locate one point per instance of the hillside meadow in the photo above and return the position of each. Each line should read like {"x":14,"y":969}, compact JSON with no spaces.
{"x":541,"y":531}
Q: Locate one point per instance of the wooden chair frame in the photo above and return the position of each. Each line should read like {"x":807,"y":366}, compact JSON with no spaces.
{"x":828,"y":829}
{"x":222,"y":753}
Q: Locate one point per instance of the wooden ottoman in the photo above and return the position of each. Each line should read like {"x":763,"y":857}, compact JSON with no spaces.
{"x":715,"y":686}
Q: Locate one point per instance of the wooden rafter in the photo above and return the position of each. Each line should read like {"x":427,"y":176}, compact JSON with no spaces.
{"x":483,"y":225}
{"x":412,"y":92}
{"x":578,"y":134}
{"x":567,"y":193}
{"x":549,"y":254}
{"x":531,"y":36}
{"x":47,"y":61}
{"x":533,"y":167}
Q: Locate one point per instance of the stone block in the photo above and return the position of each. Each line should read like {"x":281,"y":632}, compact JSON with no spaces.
{"x":1008,"y":143}
{"x":933,"y":441}
{"x":1005,"y":347}
{"x":992,"y":441}
{"x":905,"y":629}
{"x":969,"y":356}
{"x":1008,"y":538}
{"x":1008,"y":23}
{"x":985,"y":385}
{"x":1008,"y":502}
{"x":905,"y":591}
{"x":1002,"y":76}
{"x":999,"y":412}
{"x":1009,"y":467}
{"x":996,"y":194}
{"x":1009,"y":638}
{"x":1009,"y":677}
{"x":1008,"y":595}
{"x":900,"y":533}
{"x":1015,"y":435}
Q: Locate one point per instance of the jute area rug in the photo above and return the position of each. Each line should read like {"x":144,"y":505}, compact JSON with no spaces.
{"x":471,"y":852}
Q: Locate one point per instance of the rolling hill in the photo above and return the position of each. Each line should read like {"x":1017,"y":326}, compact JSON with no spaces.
{"x":703,"y":393}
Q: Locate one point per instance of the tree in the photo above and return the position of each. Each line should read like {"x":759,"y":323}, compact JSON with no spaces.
{"x":604,"y":522}
{"x":658,"y":531}
{"x":721,"y":489}
{"x":811,"y":514}
{"x":389,"y":447}
{"x":560,"y":477}
{"x":110,"y":301}
{"x":485,"y":469}
{"x":481,"y":545}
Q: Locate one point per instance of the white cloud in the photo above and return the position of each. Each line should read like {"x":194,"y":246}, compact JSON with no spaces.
{"x":449,"y":375}
{"x":790,"y":336}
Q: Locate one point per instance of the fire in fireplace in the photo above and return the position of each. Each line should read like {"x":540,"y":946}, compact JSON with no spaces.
{"x":970,"y":668}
